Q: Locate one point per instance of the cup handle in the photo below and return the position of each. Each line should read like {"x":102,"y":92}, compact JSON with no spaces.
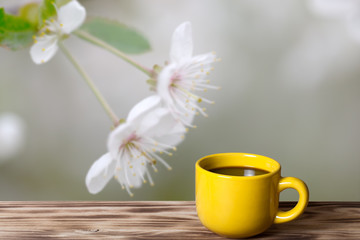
{"x":300,"y":186}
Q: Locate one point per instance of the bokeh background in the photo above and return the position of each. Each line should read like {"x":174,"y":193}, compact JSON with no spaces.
{"x":290,"y":90}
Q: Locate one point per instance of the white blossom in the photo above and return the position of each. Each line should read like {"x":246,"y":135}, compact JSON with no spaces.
{"x":180,"y":82}
{"x":148,"y":132}
{"x":69,"y":18}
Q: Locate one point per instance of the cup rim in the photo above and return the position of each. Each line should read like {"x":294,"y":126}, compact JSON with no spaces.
{"x":277,"y":170}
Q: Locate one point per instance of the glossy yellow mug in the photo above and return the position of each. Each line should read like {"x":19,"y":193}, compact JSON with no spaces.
{"x":243,"y":206}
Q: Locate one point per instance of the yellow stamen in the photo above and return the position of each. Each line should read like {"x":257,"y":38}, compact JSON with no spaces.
{"x":199,"y":100}
{"x":43,"y":49}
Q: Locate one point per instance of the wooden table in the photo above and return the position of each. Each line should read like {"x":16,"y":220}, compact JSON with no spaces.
{"x":160,"y":220}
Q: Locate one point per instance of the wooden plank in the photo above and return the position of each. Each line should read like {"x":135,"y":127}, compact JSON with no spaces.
{"x":160,"y":220}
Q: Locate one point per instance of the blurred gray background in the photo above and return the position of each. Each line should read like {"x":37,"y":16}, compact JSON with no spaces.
{"x":290,"y":90}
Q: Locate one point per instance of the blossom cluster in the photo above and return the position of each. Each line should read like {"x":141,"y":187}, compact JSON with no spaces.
{"x":157,"y":124}
{"x":69,"y":17}
{"x":154,"y":126}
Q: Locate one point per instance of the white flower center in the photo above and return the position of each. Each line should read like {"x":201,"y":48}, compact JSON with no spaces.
{"x":53,"y":27}
{"x":182,"y":88}
{"x":137,"y":151}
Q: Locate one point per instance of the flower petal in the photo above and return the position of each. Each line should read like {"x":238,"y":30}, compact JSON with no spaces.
{"x":164,"y":82}
{"x":141,"y":109}
{"x":174,"y":102}
{"x":117,"y":137}
{"x":71,"y":16}
{"x":159,"y":123}
{"x":44,"y":49}
{"x":100,"y":173}
{"x":173,"y":137}
{"x":167,"y":129}
{"x":181,"y":43}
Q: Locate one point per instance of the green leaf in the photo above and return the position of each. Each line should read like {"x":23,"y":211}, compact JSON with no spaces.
{"x":47,"y":11}
{"x":15,"y":32}
{"x":117,"y":35}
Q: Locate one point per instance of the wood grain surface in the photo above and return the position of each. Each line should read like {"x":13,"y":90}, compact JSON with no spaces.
{"x":160,"y":220}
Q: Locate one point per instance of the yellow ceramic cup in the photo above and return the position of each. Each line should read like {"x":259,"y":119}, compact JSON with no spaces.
{"x":243,"y":206}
